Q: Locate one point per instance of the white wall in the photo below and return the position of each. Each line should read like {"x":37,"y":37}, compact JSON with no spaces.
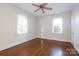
{"x":75,"y":27}
{"x":8,"y":23}
{"x":45,"y":27}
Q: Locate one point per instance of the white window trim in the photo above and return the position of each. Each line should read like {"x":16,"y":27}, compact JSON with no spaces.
{"x":53,"y":27}
{"x":26,"y":25}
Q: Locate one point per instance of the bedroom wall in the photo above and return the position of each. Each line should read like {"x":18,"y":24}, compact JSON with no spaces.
{"x":45,"y":27}
{"x":8,"y":27}
{"x":75,"y":27}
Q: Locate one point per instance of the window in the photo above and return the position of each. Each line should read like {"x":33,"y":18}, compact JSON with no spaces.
{"x":57,"y":25}
{"x":21,"y":24}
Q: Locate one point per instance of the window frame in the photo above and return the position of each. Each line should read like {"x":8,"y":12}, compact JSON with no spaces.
{"x":25,"y":25}
{"x":53,"y":25}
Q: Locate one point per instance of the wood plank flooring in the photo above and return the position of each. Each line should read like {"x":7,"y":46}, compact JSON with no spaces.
{"x":41,"y":47}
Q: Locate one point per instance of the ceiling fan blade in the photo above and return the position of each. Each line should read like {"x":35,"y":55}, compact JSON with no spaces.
{"x":42,"y":10}
{"x":37,"y":10}
{"x":47,"y":8}
{"x":44,"y":4}
{"x":35,"y":5}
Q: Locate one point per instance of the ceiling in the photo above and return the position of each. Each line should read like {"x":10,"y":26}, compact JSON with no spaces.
{"x":57,"y":8}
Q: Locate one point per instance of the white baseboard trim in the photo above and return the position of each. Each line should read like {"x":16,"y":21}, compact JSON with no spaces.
{"x":6,"y":47}
{"x":56,"y":39}
{"x":77,"y":49}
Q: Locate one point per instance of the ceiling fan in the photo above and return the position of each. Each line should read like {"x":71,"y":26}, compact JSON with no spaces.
{"x":42,"y":7}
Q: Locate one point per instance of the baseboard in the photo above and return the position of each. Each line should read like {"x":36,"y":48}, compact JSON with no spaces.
{"x":10,"y":46}
{"x":55,"y":39}
{"x":75,"y":47}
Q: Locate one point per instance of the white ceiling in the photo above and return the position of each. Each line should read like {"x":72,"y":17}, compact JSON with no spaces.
{"x":57,"y":8}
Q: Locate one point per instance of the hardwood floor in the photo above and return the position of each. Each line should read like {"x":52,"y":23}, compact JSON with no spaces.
{"x":41,"y":47}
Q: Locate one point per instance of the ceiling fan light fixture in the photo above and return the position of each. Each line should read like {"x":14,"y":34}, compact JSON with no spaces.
{"x":42,"y":7}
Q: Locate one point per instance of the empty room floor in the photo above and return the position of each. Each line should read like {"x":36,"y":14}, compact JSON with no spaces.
{"x":41,"y":47}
